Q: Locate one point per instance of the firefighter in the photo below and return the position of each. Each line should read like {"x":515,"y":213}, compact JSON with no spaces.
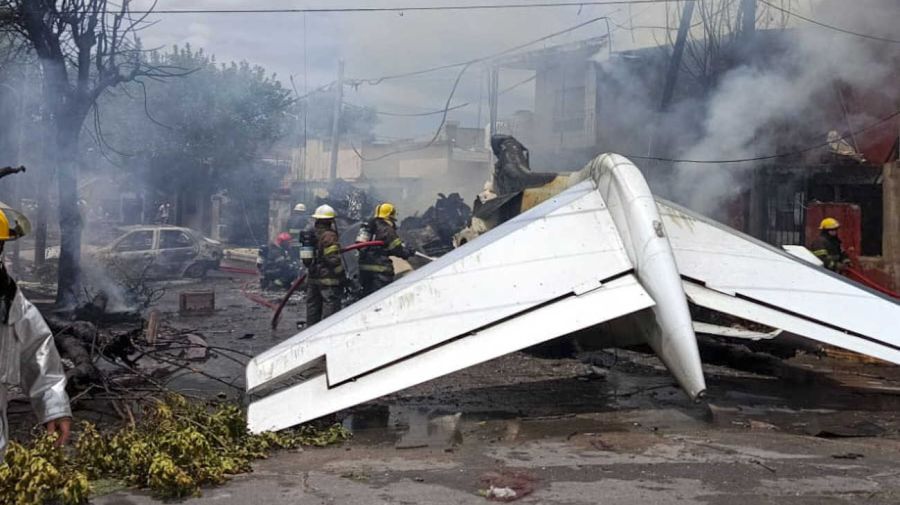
{"x":28,"y":356}
{"x":376,"y":270}
{"x":326,"y":267}
{"x":827,"y":246}
{"x":297,"y":221}
{"x":278,"y":266}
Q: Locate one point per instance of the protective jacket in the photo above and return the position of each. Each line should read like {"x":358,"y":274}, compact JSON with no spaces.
{"x":28,"y":358}
{"x":327,"y":269}
{"x":297,"y":223}
{"x":279,"y":266}
{"x":376,"y":259}
{"x":828,"y":248}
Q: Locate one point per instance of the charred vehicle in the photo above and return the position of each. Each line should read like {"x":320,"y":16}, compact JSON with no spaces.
{"x":161,"y":251}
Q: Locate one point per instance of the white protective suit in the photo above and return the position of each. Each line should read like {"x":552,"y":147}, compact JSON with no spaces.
{"x":28,"y":357}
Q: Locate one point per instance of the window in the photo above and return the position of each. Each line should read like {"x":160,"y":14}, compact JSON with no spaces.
{"x":174,"y":239}
{"x":136,"y":241}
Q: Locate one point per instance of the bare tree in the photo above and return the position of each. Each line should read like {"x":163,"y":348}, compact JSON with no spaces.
{"x":84,"y":47}
{"x":721,"y":24}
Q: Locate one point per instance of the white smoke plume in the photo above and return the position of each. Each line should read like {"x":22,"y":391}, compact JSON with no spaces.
{"x":761,"y":109}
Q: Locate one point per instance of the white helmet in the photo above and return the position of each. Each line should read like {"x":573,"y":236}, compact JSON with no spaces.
{"x":299,"y":208}
{"x":324,"y":212}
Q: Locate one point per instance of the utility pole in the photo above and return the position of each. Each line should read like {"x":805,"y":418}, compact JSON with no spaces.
{"x":14,"y":184}
{"x":493,"y":96}
{"x":480,"y":99}
{"x":336,"y":122}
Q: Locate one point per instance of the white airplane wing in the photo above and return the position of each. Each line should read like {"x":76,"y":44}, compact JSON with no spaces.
{"x":727,"y":271}
{"x":558,"y":268}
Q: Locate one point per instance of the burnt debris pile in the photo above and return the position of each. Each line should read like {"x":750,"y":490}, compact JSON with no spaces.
{"x":432,"y":232}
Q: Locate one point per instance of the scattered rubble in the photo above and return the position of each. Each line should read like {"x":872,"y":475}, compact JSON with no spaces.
{"x":507,"y":485}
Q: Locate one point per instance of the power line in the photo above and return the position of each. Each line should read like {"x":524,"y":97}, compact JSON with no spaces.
{"x":441,"y":111}
{"x":374,"y":81}
{"x":379,"y":80}
{"x":830,"y":27}
{"x":437,"y":132}
{"x":771,"y":156}
{"x":410,"y":8}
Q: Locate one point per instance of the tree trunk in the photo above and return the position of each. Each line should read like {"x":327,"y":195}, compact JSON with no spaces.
{"x":68,"y":289}
{"x":44,"y":175}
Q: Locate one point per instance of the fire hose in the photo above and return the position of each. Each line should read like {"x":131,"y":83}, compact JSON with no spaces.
{"x":238,"y":270}
{"x":296,"y":284}
{"x":861,"y":278}
{"x":245,"y":287}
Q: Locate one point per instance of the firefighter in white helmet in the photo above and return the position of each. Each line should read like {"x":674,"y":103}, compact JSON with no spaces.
{"x":326,"y":275}
{"x":28,"y":356}
{"x":298,"y":220}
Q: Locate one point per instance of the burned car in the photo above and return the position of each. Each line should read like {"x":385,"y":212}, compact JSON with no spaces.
{"x":161,"y":251}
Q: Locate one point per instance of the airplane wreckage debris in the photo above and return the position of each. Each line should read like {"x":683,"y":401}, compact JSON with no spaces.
{"x":594,"y":250}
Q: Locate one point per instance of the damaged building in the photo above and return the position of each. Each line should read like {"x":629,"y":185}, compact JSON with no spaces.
{"x":836,"y":155}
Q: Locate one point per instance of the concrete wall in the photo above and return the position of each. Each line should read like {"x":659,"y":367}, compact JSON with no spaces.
{"x":411,"y":178}
{"x":565,"y":115}
{"x":315,"y":163}
{"x":280,"y":206}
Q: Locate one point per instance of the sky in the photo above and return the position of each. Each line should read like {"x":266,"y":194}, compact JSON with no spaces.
{"x":308,"y":46}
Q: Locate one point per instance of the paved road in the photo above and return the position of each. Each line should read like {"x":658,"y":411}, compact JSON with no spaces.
{"x":659,"y":457}
{"x":564,"y":432}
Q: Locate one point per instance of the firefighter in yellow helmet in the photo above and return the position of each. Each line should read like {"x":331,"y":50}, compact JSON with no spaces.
{"x":827,"y":246}
{"x":376,"y":270}
{"x":28,"y":356}
{"x":326,"y":275}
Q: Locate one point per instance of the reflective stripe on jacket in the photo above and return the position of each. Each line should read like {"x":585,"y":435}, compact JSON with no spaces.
{"x":829,"y":250}
{"x":327,"y":268}
{"x":377,"y":259}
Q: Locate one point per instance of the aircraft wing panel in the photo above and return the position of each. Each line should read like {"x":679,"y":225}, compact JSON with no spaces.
{"x":317,"y":397}
{"x":722,"y":260}
{"x":798,"y":325}
{"x":567,"y":244}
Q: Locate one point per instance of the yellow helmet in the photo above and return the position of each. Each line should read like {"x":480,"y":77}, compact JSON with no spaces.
{"x":324,"y":212}
{"x":829,"y":223}
{"x":386,"y":211}
{"x":13,"y":224}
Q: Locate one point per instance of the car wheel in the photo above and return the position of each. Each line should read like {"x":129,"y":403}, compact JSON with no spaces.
{"x":196,"y":271}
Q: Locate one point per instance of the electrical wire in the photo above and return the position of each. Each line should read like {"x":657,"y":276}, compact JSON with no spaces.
{"x":481,"y":59}
{"x":465,"y":65}
{"x":441,"y":111}
{"x":830,"y":27}
{"x":437,"y":132}
{"x":770,"y":156}
{"x":410,"y":8}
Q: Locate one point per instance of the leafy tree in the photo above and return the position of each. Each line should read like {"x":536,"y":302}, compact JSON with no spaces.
{"x":189,"y":132}
{"x":201,"y":134}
